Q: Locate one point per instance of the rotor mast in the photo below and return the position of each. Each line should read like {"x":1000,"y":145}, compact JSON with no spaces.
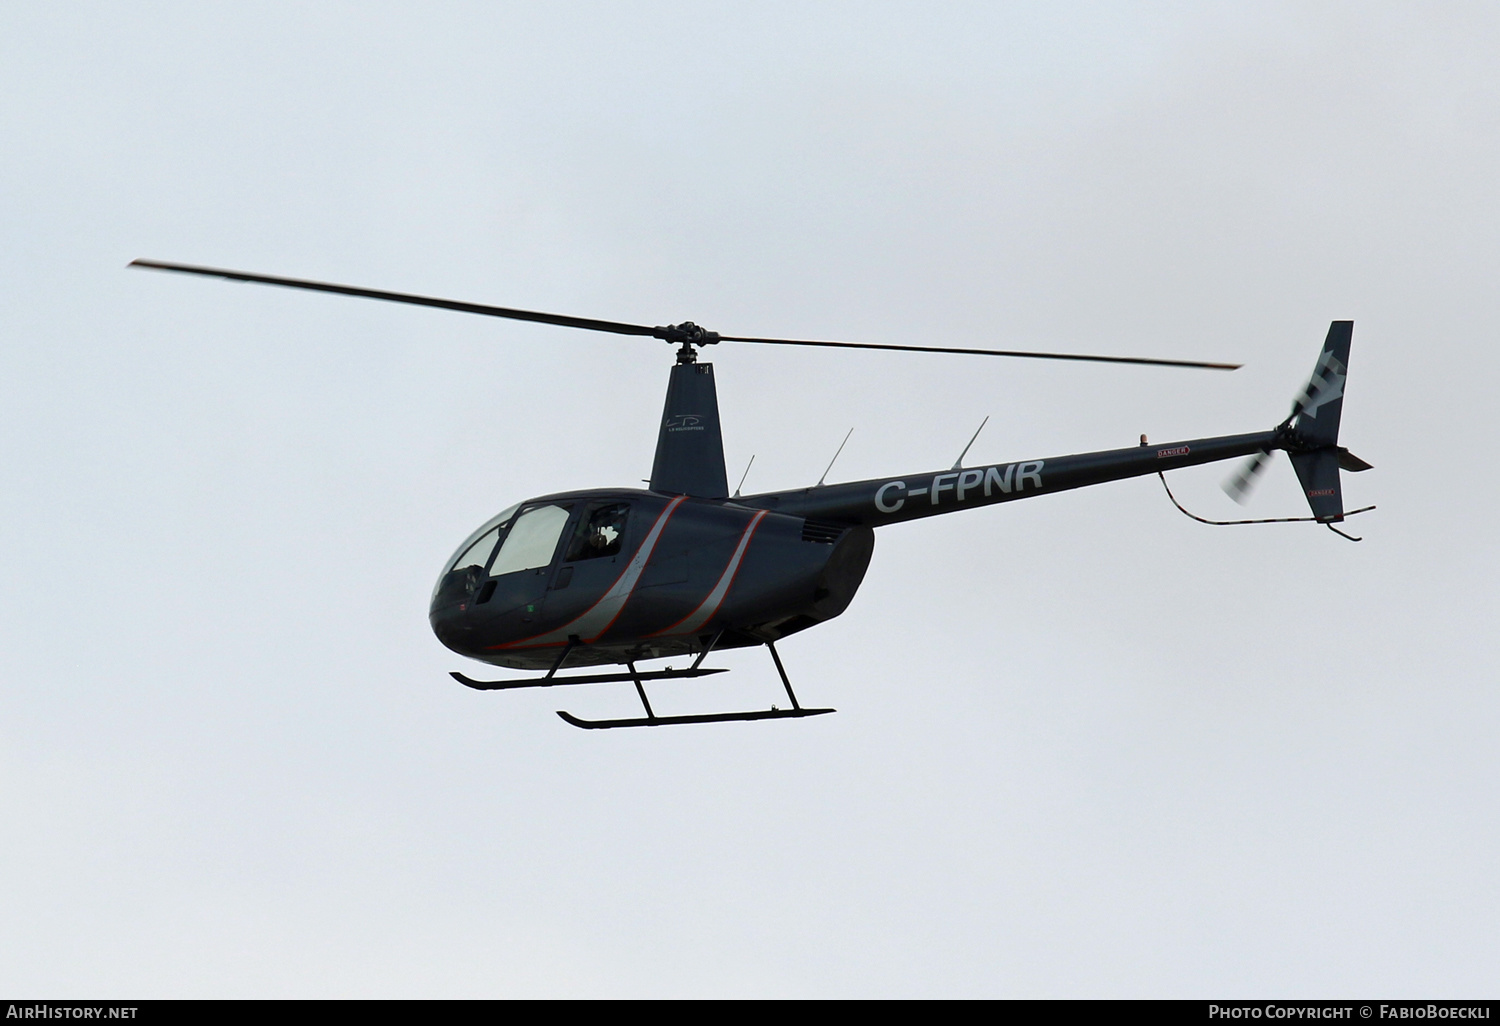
{"x":690,"y":445}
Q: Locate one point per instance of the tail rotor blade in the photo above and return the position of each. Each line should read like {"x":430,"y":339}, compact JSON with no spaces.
{"x":1241,"y":484}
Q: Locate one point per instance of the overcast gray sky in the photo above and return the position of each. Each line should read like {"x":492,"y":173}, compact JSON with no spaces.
{"x":1085,"y":747}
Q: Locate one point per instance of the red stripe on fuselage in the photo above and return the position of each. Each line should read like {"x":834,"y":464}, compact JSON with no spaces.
{"x":721,"y":587}
{"x":616,"y":597}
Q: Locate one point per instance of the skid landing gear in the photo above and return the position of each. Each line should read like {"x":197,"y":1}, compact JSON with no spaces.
{"x":639,"y":679}
{"x":653,"y":720}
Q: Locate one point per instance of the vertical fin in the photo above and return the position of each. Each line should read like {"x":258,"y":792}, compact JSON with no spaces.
{"x":690,"y":448}
{"x":1321,"y":403}
{"x":1318,"y":410}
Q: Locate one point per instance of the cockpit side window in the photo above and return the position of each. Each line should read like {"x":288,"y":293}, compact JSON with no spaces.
{"x":532,"y":539}
{"x":600,"y":532}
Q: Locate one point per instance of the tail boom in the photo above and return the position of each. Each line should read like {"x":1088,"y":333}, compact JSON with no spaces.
{"x":931,"y":493}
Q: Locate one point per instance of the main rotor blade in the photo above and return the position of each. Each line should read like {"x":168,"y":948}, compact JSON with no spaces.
{"x":675,"y":334}
{"x":402,"y":297}
{"x":986,"y":352}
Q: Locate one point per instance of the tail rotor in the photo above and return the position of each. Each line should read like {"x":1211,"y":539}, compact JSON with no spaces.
{"x":1243,"y":482}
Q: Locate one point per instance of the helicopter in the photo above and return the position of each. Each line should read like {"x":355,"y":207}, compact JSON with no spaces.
{"x":683,"y":568}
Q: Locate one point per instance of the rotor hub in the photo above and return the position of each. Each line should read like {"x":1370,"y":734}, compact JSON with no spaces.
{"x":686,"y":335}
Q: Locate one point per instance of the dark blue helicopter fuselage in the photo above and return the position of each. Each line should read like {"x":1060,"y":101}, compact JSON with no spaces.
{"x":680,"y":571}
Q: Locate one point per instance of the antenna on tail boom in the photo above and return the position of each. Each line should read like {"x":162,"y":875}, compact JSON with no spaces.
{"x":830,"y":462}
{"x":958,"y":463}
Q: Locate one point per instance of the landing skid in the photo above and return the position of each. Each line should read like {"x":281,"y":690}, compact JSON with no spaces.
{"x":638,"y":678}
{"x":663,"y":721}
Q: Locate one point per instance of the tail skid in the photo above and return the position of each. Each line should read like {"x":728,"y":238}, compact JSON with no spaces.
{"x":1263,"y":520}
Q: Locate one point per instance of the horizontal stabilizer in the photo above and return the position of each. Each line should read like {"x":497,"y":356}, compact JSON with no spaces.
{"x":1350,"y":462}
